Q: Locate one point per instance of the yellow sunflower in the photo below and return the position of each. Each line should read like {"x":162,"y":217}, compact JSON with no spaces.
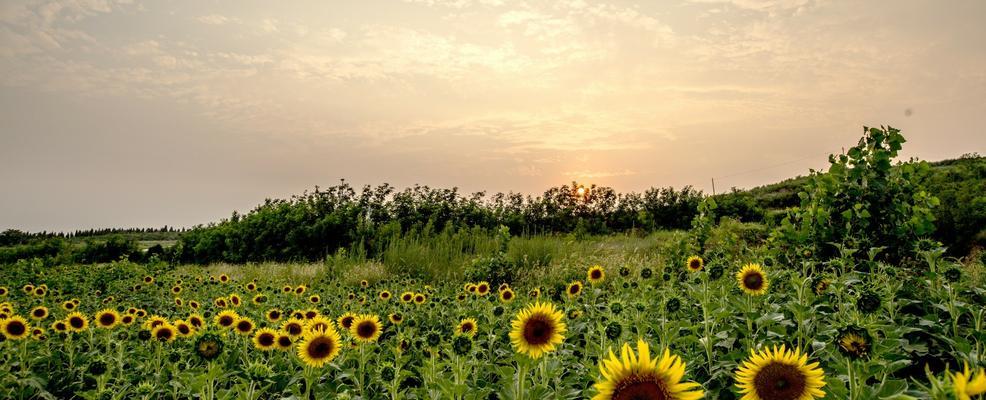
{"x":574,"y":289}
{"x":507,"y":295}
{"x":346,"y":320}
{"x":396,"y":318}
{"x":15,"y":327}
{"x":196,"y":321}
{"x":595,"y":275}
{"x":318,"y":348}
{"x":779,"y":373}
{"x":366,"y":328}
{"x":753,"y":280}
{"x":294,"y":327}
{"x":265,"y":339}
{"x":274,"y":314}
{"x":407,"y":297}
{"x":640,"y":377}
{"x":284,"y":341}
{"x":482,"y":288}
{"x":695,"y":263}
{"x":965,"y":385}
{"x":164,"y":332}
{"x":420,"y":298}
{"x":244,"y":325}
{"x":39,"y":313}
{"x":77,"y":322}
{"x":106,"y":318}
{"x":384,"y":295}
{"x":183,"y":328}
{"x":226,"y":318}
{"x":467,"y":327}
{"x":537,"y":329}
{"x":318,"y":323}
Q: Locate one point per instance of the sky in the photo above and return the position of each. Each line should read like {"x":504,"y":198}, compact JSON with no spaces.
{"x":130,"y":113}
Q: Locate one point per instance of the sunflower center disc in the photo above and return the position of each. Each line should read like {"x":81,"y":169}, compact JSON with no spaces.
{"x":320,"y":348}
{"x":753,"y":281}
{"x":537,"y":331}
{"x":365,"y":330}
{"x":266,"y":339}
{"x":634,"y":388}
{"x":780,"y":382}
{"x":16,"y":328}
{"x":107,"y":319}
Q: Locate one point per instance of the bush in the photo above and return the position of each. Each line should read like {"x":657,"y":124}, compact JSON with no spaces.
{"x":862,"y":202}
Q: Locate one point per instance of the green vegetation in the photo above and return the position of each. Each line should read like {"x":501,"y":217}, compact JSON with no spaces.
{"x":426,"y":294}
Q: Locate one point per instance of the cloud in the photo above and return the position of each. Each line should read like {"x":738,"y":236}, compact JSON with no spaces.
{"x":216,"y":19}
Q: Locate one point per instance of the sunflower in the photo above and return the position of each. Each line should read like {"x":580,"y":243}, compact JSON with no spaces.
{"x":779,"y":373}
{"x":106,"y":318}
{"x":194,"y":304}
{"x":753,"y":280}
{"x":244,"y":325}
{"x":595,"y":275}
{"x":28,"y":288}
{"x":77,"y":322}
{"x":59,"y":326}
{"x":148,"y":279}
{"x":15,"y":327}
{"x":311,"y":313}
{"x":854,"y":342}
{"x":820,"y":286}
{"x":471,"y":288}
{"x":318,"y":348}
{"x":234,"y":299}
{"x":164,"y":332}
{"x":346,"y":320}
{"x":226,"y":318}
{"x":265,"y":339}
{"x":640,"y":377}
{"x":366,"y":328}
{"x":364,"y":283}
{"x":507,"y":295}
{"x":384,"y":295}
{"x":965,"y":385}
{"x":251,"y":286}
{"x":420,"y":298}
{"x":284,"y":341}
{"x":69,"y":306}
{"x":286,"y":289}
{"x":209,"y":346}
{"x":537,"y":329}
{"x":407,"y":297}
{"x":223,"y":278}
{"x":196,"y":321}
{"x":574,"y":289}
{"x":396,"y":318}
{"x":127,"y":319}
{"x":259,"y":299}
{"x":183,"y":328}
{"x":695,"y":263}
{"x":176,"y":289}
{"x":535,"y":293}
{"x":467,"y":327}
{"x":274,"y":314}
{"x":39,"y":313}
{"x":220,"y":302}
{"x":482,"y":288}
{"x":154,"y":321}
{"x":318,"y":323}
{"x":314,"y":299}
{"x":294,"y":327}
{"x":300,"y":290}
{"x":4,"y":291}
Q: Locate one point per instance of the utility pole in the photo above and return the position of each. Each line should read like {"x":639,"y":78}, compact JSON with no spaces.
{"x":713,"y":186}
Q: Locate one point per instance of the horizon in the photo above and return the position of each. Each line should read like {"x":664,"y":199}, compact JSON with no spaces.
{"x":132,"y":113}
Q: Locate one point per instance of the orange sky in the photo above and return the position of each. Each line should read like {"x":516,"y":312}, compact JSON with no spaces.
{"x":141,"y":113}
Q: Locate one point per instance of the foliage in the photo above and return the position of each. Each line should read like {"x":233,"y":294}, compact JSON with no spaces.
{"x":862,"y":202}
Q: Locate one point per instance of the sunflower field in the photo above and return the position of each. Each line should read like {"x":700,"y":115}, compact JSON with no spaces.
{"x":726,"y":327}
{"x":865,"y":307}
